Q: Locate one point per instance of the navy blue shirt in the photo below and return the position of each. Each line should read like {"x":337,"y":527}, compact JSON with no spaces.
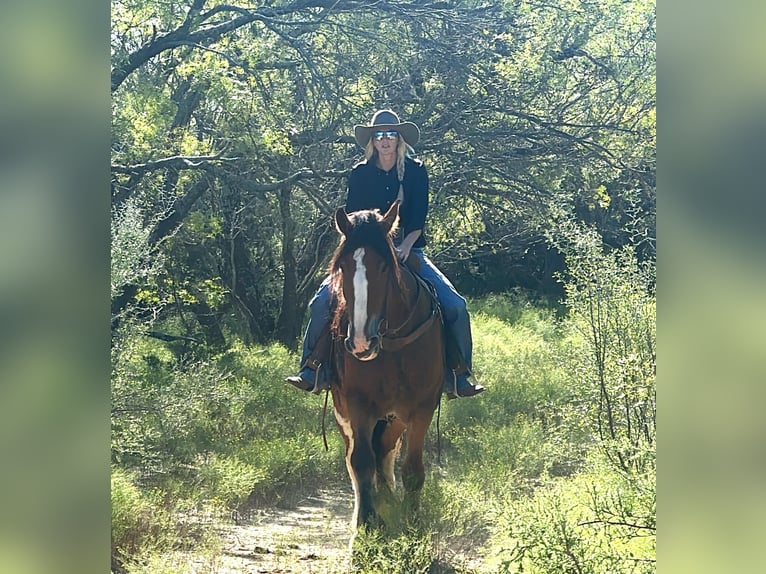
{"x":370,"y":187}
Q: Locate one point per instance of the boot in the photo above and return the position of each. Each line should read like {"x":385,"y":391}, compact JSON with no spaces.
{"x":310,"y":378}
{"x":460,"y":382}
{"x":462,"y":385}
{"x":313,"y":374}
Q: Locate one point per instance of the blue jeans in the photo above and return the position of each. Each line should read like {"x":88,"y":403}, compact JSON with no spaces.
{"x":453,"y":305}
{"x":319,"y":317}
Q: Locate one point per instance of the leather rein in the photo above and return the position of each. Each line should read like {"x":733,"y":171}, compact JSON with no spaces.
{"x":390,"y":340}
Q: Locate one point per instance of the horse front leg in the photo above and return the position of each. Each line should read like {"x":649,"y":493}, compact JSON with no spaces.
{"x":360,"y":463}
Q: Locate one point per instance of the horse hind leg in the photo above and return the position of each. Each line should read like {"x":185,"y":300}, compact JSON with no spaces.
{"x":413,"y":470}
{"x":386,"y":442}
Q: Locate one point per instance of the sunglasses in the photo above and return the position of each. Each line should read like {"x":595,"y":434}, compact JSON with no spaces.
{"x":388,"y":135}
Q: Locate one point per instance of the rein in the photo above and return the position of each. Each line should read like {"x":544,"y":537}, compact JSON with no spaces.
{"x":389,"y":339}
{"x":324,"y":417}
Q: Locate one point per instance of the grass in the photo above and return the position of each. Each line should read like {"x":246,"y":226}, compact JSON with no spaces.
{"x":519,"y":475}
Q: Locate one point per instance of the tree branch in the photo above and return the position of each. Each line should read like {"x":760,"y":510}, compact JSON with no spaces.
{"x":617,"y":523}
{"x":169,"y":338}
{"x":182,"y":35}
{"x":174,"y":162}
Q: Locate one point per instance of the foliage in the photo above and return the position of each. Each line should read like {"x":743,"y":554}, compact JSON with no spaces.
{"x":408,"y":553}
{"x":565,"y":494}
{"x":227,"y":425}
{"x":130,"y":514}
{"x":231,"y":128}
{"x":612,"y":307}
{"x":597,"y":521}
{"x":525,"y":421}
{"x":145,"y":523}
{"x":231,"y":142}
{"x":228,"y":481}
{"x":524,"y":454}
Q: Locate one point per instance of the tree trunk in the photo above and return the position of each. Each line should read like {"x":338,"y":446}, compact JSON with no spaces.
{"x":208,"y":320}
{"x":237,"y":271}
{"x":288,"y":322}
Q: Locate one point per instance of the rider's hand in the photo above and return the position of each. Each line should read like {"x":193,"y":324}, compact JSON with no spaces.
{"x":402,"y":253}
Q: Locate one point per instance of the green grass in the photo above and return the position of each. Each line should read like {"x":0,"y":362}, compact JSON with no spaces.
{"x":596,"y":521}
{"x":519,"y":479}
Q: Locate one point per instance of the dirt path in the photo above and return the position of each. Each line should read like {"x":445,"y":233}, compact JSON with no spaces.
{"x":311,"y":537}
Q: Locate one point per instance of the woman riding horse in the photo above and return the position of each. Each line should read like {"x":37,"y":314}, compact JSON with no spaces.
{"x":388,"y":173}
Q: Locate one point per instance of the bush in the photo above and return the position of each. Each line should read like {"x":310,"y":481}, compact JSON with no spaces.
{"x":293,"y":465}
{"x":150,"y":527}
{"x":228,"y":481}
{"x":140,"y":524}
{"x":410,"y":552}
{"x":131,"y":515}
{"x":612,"y":306}
{"x":598,"y":521}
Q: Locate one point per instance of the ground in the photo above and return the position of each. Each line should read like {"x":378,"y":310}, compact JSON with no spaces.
{"x":310,"y":537}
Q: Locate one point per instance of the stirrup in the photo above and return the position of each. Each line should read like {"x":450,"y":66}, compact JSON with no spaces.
{"x":475,"y":389}
{"x":300,"y":383}
{"x":305,"y":385}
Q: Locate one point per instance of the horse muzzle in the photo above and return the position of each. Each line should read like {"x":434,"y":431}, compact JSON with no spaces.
{"x":364,"y":353}
{"x":363,"y":348}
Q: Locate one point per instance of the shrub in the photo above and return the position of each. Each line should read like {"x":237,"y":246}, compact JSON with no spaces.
{"x":140,"y":524}
{"x":598,"y":521}
{"x":377,"y":553}
{"x":612,"y":306}
{"x":228,"y":481}
{"x":290,"y":465}
{"x":131,"y":514}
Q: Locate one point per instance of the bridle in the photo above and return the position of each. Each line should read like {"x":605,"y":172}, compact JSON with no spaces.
{"x":390,"y":339}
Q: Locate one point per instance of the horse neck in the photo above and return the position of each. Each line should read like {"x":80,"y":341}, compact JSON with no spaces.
{"x":403,"y":304}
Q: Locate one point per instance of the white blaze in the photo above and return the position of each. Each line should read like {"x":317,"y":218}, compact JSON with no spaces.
{"x":360,"y":301}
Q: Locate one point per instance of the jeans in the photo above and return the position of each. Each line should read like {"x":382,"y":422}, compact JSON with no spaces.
{"x":453,"y":305}
{"x":319,"y":317}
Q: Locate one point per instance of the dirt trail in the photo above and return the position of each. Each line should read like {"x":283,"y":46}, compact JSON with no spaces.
{"x":311,"y":537}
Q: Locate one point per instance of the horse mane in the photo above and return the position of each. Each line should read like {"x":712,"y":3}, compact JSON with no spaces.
{"x":366,"y":230}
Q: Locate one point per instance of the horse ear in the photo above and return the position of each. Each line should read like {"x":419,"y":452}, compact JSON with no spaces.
{"x":391,"y":218}
{"x":342,"y":222}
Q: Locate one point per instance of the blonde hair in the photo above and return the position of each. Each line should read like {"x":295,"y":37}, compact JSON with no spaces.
{"x":403,"y":150}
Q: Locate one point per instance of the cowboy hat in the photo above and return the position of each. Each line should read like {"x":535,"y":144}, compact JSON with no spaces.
{"x":386,"y":120}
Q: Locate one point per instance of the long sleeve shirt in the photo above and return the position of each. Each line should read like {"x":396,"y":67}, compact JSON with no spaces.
{"x":370,"y":187}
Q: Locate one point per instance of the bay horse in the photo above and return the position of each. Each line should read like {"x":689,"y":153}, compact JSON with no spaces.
{"x":390,"y":364}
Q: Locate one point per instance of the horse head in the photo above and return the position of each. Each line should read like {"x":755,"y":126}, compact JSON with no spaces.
{"x":364,"y":269}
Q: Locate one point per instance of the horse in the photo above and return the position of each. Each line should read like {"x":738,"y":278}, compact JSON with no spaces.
{"x":389,"y":360}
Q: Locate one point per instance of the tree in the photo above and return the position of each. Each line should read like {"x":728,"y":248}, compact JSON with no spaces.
{"x":232,"y":135}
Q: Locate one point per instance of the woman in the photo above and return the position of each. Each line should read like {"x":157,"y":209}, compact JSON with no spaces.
{"x":388,"y":173}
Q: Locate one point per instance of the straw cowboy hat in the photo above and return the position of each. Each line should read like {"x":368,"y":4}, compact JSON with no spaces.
{"x":386,"y":120}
